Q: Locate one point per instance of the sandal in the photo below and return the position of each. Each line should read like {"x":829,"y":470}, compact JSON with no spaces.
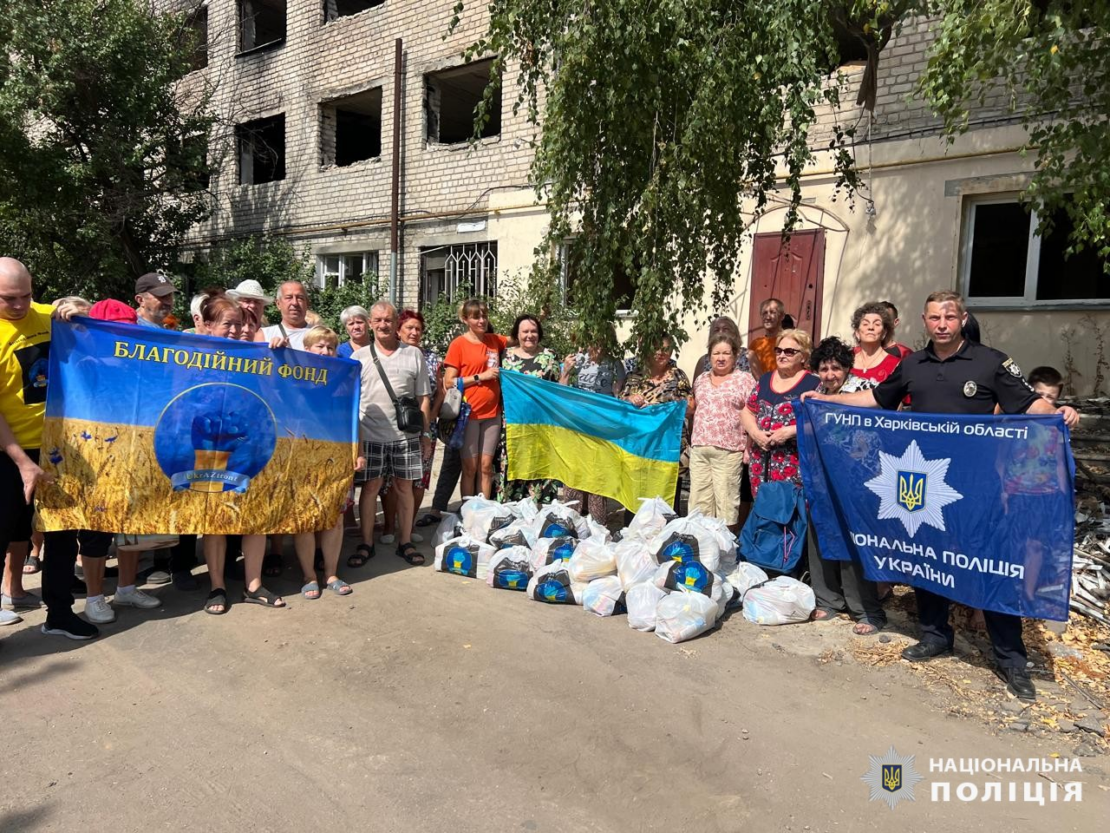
{"x":217,"y":598}
{"x":822,"y":615}
{"x":31,"y":565}
{"x":409,"y":553}
{"x":340,"y":588}
{"x":311,"y":587}
{"x":362,"y":554}
{"x":866,"y":628}
{"x":263,"y":597}
{"x":272,"y":565}
{"x":429,"y":520}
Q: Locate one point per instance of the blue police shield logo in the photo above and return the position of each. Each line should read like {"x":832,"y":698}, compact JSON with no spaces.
{"x":892,"y":777}
{"x":912,"y":488}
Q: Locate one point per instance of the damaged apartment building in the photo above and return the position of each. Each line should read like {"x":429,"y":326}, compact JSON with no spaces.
{"x":314,"y":92}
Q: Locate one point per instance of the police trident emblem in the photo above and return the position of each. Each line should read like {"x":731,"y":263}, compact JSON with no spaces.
{"x":891,"y":778}
{"x":911,"y":490}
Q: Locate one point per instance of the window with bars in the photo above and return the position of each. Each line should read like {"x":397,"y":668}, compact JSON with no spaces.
{"x":443,"y":269}
{"x":344,"y":268}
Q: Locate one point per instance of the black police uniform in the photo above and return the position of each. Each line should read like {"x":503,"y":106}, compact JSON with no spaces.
{"x":972,"y":381}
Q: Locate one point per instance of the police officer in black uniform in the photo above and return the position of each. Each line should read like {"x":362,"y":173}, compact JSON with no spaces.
{"x":953,"y":375}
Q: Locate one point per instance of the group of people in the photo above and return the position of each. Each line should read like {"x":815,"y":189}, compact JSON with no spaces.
{"x":740,"y":433}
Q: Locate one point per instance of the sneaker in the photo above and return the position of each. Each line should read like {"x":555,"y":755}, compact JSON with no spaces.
{"x":417,"y":538}
{"x":135,"y":598}
{"x":99,"y":611}
{"x":389,"y":538}
{"x":9,"y":618}
{"x":28,"y":601}
{"x":71,"y":626}
{"x":159,"y":577}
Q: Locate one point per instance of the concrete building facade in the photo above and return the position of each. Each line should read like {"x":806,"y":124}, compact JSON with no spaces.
{"x":933,"y":216}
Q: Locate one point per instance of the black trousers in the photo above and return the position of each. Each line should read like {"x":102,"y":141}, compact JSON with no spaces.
{"x":841,"y":586}
{"x":59,"y":551}
{"x":450,"y":471}
{"x":181,"y":558}
{"x":1004,"y":629}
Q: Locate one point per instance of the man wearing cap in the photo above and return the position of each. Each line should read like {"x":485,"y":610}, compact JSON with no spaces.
{"x":153,"y":299}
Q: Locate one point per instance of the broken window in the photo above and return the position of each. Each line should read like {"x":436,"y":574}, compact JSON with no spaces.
{"x":470,"y":268}
{"x":261,"y":22}
{"x":451,"y":99}
{"x":261,"y":150}
{"x":850,"y":46}
{"x":343,"y":8}
{"x":196,"y":33}
{"x":351,"y":128}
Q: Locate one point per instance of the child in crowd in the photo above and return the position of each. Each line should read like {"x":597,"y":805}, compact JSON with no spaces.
{"x":1047,"y":383}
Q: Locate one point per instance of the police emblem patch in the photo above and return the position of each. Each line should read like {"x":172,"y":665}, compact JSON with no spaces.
{"x":1012,"y":367}
{"x":970,"y":389}
{"x":892,"y":778}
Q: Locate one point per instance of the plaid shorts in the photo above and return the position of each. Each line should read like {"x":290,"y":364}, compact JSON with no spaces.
{"x":402,"y":459}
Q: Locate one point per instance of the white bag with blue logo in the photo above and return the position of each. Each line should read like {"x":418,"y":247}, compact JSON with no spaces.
{"x":684,"y":539}
{"x":604,"y":596}
{"x":450,"y":526}
{"x":654,"y":514}
{"x":683,"y":616}
{"x":510,"y":569}
{"x":482,"y":517}
{"x":524,"y":509}
{"x":641,"y":601}
{"x":726,"y":539}
{"x":635,"y":563}
{"x":517,"y":534}
{"x":781,"y":601}
{"x":549,"y":550}
{"x":558,"y":520}
{"x":593,"y":558}
{"x":464,"y":556}
{"x":553,"y":584}
{"x":692,"y":577}
{"x":746,"y":576}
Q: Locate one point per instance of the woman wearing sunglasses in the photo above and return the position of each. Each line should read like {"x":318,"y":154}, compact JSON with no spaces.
{"x":769,"y":417}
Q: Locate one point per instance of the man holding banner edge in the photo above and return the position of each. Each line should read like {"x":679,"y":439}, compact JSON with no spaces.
{"x":955,"y":376}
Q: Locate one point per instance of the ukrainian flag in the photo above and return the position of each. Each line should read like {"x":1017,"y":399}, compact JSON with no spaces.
{"x":591,"y":442}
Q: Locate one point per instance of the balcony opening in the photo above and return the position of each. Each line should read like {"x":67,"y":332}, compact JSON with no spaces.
{"x":351,"y":128}
{"x":261,"y":23}
{"x":451,"y":99}
{"x":335,"y":9}
{"x":196,"y":35}
{"x":261,"y":150}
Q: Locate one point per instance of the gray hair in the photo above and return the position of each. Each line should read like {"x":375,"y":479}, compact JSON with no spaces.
{"x":353,"y":312}
{"x":384,"y":304}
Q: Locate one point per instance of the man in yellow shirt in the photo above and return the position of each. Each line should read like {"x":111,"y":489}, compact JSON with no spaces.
{"x":24,"y":364}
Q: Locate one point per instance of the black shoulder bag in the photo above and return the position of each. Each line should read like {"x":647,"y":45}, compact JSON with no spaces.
{"x":410,"y":419}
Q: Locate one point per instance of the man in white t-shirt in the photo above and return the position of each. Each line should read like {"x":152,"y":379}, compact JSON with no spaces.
{"x":387,"y":449}
{"x":292,"y":300}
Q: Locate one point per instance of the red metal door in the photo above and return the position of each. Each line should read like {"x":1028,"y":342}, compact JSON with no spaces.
{"x":794,"y":273}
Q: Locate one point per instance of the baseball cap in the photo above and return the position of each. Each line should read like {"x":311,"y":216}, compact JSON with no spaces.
{"x":250,"y":289}
{"x":111,"y":310}
{"x":155,"y":284}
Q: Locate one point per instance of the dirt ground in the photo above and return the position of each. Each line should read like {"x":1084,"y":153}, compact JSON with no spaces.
{"x":427,"y":702}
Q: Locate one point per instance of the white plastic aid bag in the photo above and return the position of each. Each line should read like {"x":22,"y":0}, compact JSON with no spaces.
{"x":635,"y":563}
{"x":524,"y":509}
{"x":464,"y":556}
{"x":481,"y":517}
{"x":517,"y":534}
{"x":683,"y":616}
{"x":641,"y":601}
{"x":746,"y":576}
{"x":553,"y":584}
{"x":450,"y":526}
{"x":684,"y":539}
{"x":654,"y":514}
{"x":779,"y":602}
{"x":549,"y":550}
{"x":726,"y":540}
{"x":510,"y":569}
{"x":558,"y":520}
{"x":593,"y":558}
{"x":596,"y":530}
{"x":604,"y":596}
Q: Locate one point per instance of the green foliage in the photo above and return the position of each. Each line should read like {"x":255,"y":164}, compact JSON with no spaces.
{"x":1051,"y":57}
{"x":102,"y":167}
{"x":330,"y":302}
{"x":661,"y":118}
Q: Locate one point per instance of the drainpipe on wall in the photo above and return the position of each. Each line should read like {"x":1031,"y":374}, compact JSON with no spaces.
{"x":395,"y":208}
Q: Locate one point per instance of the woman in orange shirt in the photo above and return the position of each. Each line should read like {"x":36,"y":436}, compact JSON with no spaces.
{"x":475,"y":357}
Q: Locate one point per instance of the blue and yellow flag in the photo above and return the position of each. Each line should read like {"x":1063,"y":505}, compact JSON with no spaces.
{"x":591,"y":442}
{"x":151,"y":431}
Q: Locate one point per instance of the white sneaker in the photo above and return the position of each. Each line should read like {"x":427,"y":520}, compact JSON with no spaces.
{"x":388,"y":539}
{"x":417,"y":538}
{"x":9,"y":618}
{"x":136,"y":598}
{"x":99,"y":612}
